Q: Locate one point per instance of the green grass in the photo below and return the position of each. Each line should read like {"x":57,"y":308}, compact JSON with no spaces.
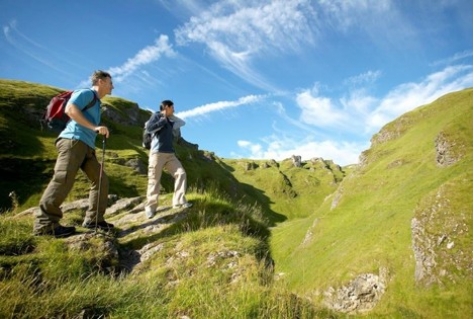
{"x":211,"y":265}
{"x":15,"y":236}
{"x":364,"y":233}
{"x":322,"y":225}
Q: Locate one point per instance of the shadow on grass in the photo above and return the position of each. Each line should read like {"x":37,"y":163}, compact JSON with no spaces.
{"x":123,"y":189}
{"x":205,"y":174}
{"x":227,"y":167}
{"x":23,"y":176}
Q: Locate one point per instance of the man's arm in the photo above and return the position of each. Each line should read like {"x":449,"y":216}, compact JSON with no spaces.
{"x":156,"y":123}
{"x":75,"y":114}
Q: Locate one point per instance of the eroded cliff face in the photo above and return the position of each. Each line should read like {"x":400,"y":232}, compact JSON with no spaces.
{"x":131,"y":115}
{"x":441,"y":233}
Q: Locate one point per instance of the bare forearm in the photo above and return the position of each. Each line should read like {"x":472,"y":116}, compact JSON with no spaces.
{"x":75,"y":114}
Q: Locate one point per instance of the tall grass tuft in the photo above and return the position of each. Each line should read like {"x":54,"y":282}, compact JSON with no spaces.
{"x":16,"y":236}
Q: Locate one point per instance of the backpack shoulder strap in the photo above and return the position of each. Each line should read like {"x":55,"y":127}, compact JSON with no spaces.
{"x":91,"y":103}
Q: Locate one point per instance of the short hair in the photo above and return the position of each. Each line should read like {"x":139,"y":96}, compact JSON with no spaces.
{"x":165,"y":103}
{"x":99,"y":74}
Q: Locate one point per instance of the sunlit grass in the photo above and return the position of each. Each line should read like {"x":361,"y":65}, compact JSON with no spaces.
{"x":209,"y":267}
{"x":264,"y":239}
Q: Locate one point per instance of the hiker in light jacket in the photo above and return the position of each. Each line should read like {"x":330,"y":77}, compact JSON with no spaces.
{"x":162,"y":156}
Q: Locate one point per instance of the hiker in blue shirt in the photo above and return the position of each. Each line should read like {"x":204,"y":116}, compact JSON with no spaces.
{"x":76,"y":150}
{"x":162,"y":156}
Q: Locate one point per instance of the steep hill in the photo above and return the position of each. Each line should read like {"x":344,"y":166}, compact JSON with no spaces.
{"x":389,"y":238}
{"x":28,"y":153}
{"x":400,"y":224}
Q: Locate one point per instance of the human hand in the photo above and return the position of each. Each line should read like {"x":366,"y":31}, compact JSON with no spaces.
{"x":102,"y":130}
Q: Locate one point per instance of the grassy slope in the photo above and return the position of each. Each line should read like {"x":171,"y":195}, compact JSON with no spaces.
{"x":370,"y":227}
{"x":294,"y":192}
{"x":28,"y":154}
{"x":210,"y":263}
{"x":66,"y":283}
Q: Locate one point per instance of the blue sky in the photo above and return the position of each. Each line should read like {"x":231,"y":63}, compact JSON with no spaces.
{"x":252,"y":78}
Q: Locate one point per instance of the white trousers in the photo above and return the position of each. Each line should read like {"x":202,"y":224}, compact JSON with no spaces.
{"x":156,"y":163}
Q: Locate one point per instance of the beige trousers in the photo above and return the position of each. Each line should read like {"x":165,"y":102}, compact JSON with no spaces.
{"x":156,"y":163}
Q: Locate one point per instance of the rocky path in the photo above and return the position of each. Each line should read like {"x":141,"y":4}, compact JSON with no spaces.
{"x":134,"y":238}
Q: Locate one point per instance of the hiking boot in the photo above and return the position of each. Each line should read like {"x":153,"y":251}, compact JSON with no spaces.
{"x":58,"y":231}
{"x":185,"y":205}
{"x":101,"y":225}
{"x":149,"y":213}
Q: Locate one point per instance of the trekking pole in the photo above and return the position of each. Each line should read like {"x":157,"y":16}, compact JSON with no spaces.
{"x":100,"y":184}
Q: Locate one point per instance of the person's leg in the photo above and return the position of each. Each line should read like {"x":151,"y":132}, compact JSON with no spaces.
{"x":155,"y":168}
{"x":92,"y":168}
{"x":71,"y":153}
{"x":174,"y":167}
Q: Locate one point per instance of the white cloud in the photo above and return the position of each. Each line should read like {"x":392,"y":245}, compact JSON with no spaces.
{"x":244,"y":144}
{"x":28,"y":46}
{"x":143,"y":57}
{"x":206,"y":109}
{"x":345,"y":14}
{"x":367,"y":115}
{"x":358,"y":103}
{"x":319,"y":111}
{"x":250,"y":26}
{"x":278,"y":148}
{"x":360,"y":111}
{"x":408,"y":96}
{"x":252,"y":147}
{"x":364,"y":78}
{"x":237,"y":32}
{"x":455,"y":58}
{"x":12,"y":27}
{"x":238,"y":63}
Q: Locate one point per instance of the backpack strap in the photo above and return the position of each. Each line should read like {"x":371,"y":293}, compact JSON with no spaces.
{"x":91,"y":103}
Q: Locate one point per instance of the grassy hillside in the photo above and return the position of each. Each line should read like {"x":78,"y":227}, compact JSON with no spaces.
{"x":264,"y":239}
{"x":295,"y":192}
{"x":28,"y":154}
{"x":366,"y":226}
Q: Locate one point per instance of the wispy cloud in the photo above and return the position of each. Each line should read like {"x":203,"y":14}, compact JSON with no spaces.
{"x":12,"y":27}
{"x":206,"y":109}
{"x":296,"y":122}
{"x":28,"y":46}
{"x":344,"y":15}
{"x":237,"y":32}
{"x":364,"y":78}
{"x":455,"y":58}
{"x":407,"y":96}
{"x":250,"y":26}
{"x":239,"y":63}
{"x":142,"y":58}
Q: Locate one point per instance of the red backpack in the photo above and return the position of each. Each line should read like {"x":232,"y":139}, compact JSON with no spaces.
{"x":55,"y":116}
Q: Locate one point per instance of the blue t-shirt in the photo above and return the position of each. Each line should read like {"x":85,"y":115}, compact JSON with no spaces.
{"x":74,"y":131}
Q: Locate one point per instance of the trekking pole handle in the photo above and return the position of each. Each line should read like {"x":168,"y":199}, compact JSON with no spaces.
{"x":97,"y":130}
